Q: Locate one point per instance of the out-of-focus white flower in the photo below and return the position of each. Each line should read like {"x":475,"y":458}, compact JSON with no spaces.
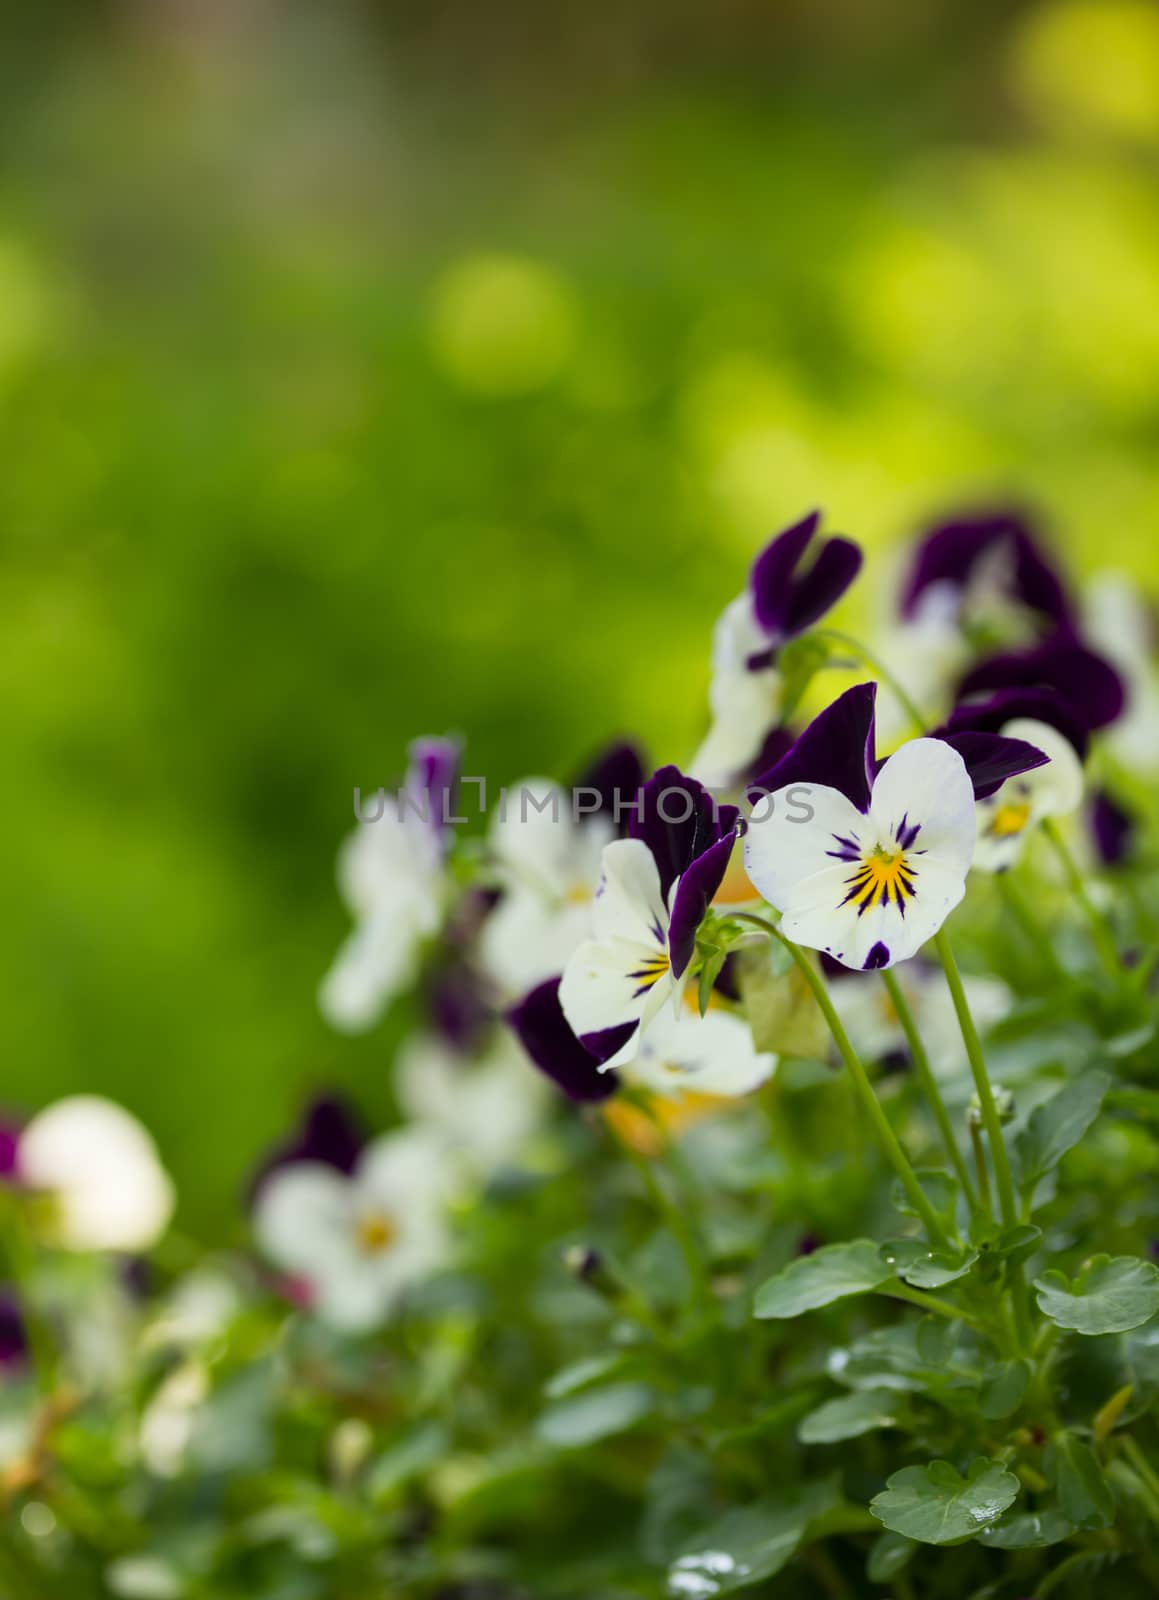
{"x":548,"y":863}
{"x":1006,"y":819}
{"x":484,"y":1105}
{"x":102,"y":1169}
{"x":393,"y":878}
{"x":926,"y":653}
{"x":686,"y":1053}
{"x":745,"y":701}
{"x":1118,"y":623}
{"x":864,"y":1006}
{"x":358,"y":1242}
{"x":168,"y":1421}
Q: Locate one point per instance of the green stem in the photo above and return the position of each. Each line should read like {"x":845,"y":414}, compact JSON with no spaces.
{"x":875,"y":664}
{"x":928,"y":1302}
{"x":888,"y":1139}
{"x":1104,"y":939}
{"x":1142,"y":1466}
{"x":929,"y":1083}
{"x":980,"y":1164}
{"x":1003,"y":1178}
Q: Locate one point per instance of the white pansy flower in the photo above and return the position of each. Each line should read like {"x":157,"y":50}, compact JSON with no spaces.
{"x":485,"y":1104}
{"x":1007,"y":818}
{"x":1118,"y":622}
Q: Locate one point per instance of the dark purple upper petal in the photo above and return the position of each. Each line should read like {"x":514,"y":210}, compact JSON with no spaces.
{"x":991,"y":712}
{"x":13,"y":1339}
{"x":950,"y":552}
{"x":330,"y":1132}
{"x":787,"y":600}
{"x":1088,"y":682}
{"x":694,"y":894}
{"x":543,"y":1031}
{"x":837,"y":749}
{"x":616,"y":775}
{"x":1113,"y":827}
{"x":678,"y":820}
{"x":991,"y":759}
{"x":9,"y":1150}
{"x":777,"y":743}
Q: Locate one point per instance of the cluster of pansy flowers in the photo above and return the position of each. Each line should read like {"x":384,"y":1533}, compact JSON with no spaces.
{"x":595,"y":950}
{"x":599,"y":947}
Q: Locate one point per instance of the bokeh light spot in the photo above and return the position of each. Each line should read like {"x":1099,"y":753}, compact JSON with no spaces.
{"x":502,"y":325}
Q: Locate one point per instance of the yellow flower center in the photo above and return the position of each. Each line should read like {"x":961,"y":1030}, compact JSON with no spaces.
{"x":376,"y":1233}
{"x":879,"y":875}
{"x":650,"y":971}
{"x":1010,"y":818}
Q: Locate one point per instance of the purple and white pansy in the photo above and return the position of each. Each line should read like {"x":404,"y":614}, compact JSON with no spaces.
{"x":865,"y":860}
{"x":354,"y":1242}
{"x":1038,"y":717}
{"x":392,"y":876}
{"x":1119,"y":622}
{"x":655,"y":887}
{"x":787,"y":593}
{"x":988,"y":568}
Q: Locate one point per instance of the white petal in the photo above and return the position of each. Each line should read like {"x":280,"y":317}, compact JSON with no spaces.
{"x":611,"y":982}
{"x":795,"y":837}
{"x":303,"y":1217}
{"x":1057,"y":788}
{"x":926,"y":783}
{"x":526,"y":938}
{"x":376,"y":962}
{"x":485,"y":1108}
{"x":628,"y":903}
{"x":867,"y":1013}
{"x":713,"y":1054}
{"x":111,"y":1190}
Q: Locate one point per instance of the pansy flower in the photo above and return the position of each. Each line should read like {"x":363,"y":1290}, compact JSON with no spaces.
{"x":866,"y":861}
{"x":330,"y":1132}
{"x":392,"y":876}
{"x":101,"y":1172}
{"x":358,"y":1241}
{"x":546,"y":843}
{"x":791,"y":587}
{"x":981,"y":567}
{"x":654,"y":890}
{"x":1084,"y":679}
{"x":1119,"y":622}
{"x":1039,"y":717}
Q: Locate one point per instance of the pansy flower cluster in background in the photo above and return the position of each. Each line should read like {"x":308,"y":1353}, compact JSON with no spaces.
{"x":680,"y":1054}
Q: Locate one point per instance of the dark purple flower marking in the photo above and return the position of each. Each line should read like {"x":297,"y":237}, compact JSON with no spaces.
{"x":952,"y":552}
{"x":1086,"y":681}
{"x":13,"y":1337}
{"x":432,"y":779}
{"x":329,"y":1132}
{"x":9,"y":1152}
{"x":877,"y":957}
{"x":1113,"y":828}
{"x":543,"y":1031}
{"x":789,"y":597}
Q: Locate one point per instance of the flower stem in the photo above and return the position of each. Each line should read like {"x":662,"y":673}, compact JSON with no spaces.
{"x":1103,"y":938}
{"x":1003,"y":1177}
{"x":928,"y":1302}
{"x":875,"y":664}
{"x":896,"y":1156}
{"x":929,"y":1083}
{"x":1035,"y":934}
{"x":980,"y":1164}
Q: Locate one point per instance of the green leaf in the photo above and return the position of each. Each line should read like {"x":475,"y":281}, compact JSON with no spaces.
{"x":1106,"y":1296}
{"x":782,"y":1012}
{"x":1003,"y":1391}
{"x":1084,"y":1494}
{"x":746,"y":1545}
{"x":890,"y":1553}
{"x":1059,"y":1124}
{"x":925,"y":1268}
{"x":832,"y":1273}
{"x":413,"y":1455}
{"x":849,"y":1416}
{"x":580,"y":1374}
{"x":936,"y":1505}
{"x":595,"y":1414}
{"x":713,"y":962}
{"x":1030,"y":1530}
{"x":939,"y":1187}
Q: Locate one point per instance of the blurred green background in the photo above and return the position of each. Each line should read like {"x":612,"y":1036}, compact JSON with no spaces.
{"x":369,"y":370}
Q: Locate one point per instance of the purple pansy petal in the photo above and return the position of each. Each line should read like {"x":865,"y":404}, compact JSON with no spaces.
{"x":617,"y":775}
{"x":1113,"y":828}
{"x":9,"y":1151}
{"x":694,"y":895}
{"x":772,"y":576}
{"x":434,"y":773}
{"x":837,"y":750}
{"x":678,"y":820}
{"x":13,"y":1339}
{"x":1085,"y":680}
{"x":542,"y":1029}
{"x":330,"y":1132}
{"x":818,"y":590}
{"x":777,"y":744}
{"x":992,"y":712}
{"x":991,"y":759}
{"x":950,"y":552}
{"x":458,"y":1006}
